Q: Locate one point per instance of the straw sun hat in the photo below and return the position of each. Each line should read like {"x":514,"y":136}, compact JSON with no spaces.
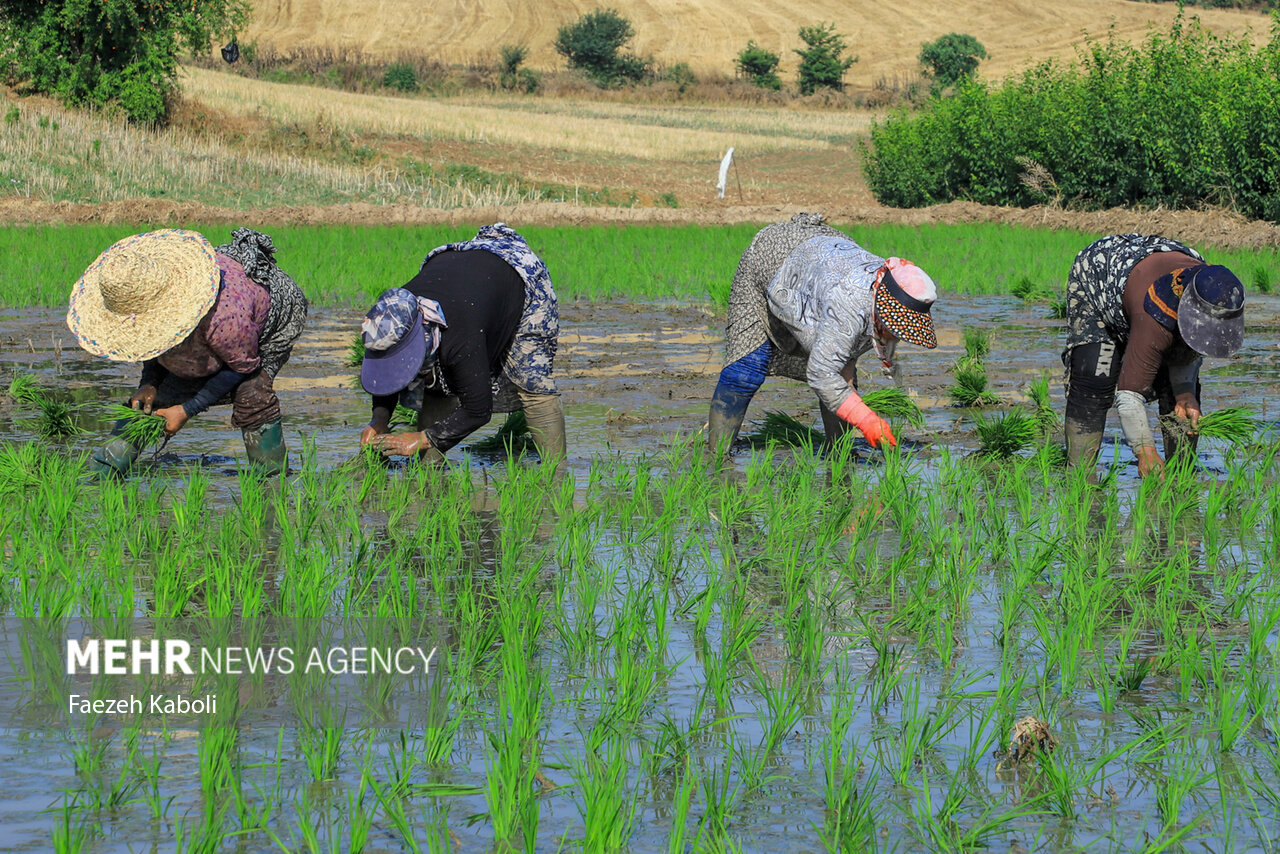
{"x":144,"y":295}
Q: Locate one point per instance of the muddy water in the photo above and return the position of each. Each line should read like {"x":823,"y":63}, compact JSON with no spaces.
{"x":632,"y":377}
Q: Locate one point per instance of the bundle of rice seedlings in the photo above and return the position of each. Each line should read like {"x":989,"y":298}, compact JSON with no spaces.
{"x":140,"y":429}
{"x":894,"y":403}
{"x":404,"y":415}
{"x":977,"y":343}
{"x":24,"y":389}
{"x":1057,"y":308}
{"x":1236,"y":424}
{"x":57,"y":420}
{"x":780,"y":428}
{"x":355,"y":351}
{"x":513,"y":434}
{"x":1043,"y":410}
{"x":970,"y":388}
{"x":1006,"y":435}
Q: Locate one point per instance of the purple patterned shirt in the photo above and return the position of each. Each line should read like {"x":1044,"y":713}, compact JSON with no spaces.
{"x":227,"y":336}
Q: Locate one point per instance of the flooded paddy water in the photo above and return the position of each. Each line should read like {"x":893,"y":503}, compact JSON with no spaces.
{"x":652,"y":654}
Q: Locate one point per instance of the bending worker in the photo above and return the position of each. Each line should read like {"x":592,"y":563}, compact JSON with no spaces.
{"x":210,"y":326}
{"x":1141,"y":312}
{"x":805,"y":303}
{"x":473,"y":333}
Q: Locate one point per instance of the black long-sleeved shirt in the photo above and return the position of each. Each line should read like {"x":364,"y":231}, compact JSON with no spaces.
{"x":482,"y":298}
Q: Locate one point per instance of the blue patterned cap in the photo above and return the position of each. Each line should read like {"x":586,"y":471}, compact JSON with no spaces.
{"x":1211,"y":311}
{"x":394,"y":343}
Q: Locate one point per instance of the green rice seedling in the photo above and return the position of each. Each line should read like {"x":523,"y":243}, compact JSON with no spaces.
{"x":781,"y":429}
{"x":682,"y":802}
{"x":355,"y":351}
{"x":1057,"y":308}
{"x":970,"y":387}
{"x":513,"y":437}
{"x":607,"y":803}
{"x":1261,"y":280}
{"x":57,"y":420}
{"x":140,"y":429}
{"x":977,"y":343}
{"x":1006,"y":435}
{"x":23,"y":388}
{"x":894,"y":403}
{"x":1236,"y":424}
{"x":1042,"y":406}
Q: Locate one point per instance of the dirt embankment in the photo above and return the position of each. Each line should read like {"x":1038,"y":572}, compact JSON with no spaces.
{"x":1214,"y":228}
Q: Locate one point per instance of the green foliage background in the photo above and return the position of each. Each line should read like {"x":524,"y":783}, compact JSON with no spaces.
{"x":822,"y":62}
{"x":951,"y":58}
{"x":100,"y":52}
{"x":1184,"y":119}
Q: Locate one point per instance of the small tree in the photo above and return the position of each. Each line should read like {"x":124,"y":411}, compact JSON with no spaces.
{"x":760,"y":66}
{"x":822,"y":63}
{"x":110,"y":51}
{"x":511,"y":57}
{"x":592,"y":44}
{"x":951,"y":58}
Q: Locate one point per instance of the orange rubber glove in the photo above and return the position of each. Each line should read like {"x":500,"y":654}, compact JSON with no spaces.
{"x":875,"y":428}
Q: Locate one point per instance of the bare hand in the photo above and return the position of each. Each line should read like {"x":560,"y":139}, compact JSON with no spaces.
{"x":371,"y":431}
{"x":401,"y":444}
{"x":174,"y":417}
{"x":1188,"y":408}
{"x":1149,"y":462}
{"x":144,"y":398}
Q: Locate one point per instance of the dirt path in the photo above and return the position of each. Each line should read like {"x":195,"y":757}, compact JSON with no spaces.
{"x":1214,"y":228}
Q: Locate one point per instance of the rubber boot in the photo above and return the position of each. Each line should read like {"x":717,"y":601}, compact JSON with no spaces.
{"x":834,"y":426}
{"x":265,"y":447}
{"x":545,"y":415}
{"x":728,"y":410}
{"x":1084,"y":442}
{"x":115,"y":457}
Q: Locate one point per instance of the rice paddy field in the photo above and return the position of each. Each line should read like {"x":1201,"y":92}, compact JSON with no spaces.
{"x":953,"y":645}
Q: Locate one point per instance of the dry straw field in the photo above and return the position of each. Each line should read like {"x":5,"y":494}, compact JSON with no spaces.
{"x":885,"y":34}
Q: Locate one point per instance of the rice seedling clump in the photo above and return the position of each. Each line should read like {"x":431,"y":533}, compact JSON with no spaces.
{"x":139,"y":429}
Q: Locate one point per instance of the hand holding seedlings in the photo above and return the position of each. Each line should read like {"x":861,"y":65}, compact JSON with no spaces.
{"x":1187,"y":408}
{"x":401,"y":444}
{"x":174,"y":418}
{"x":373,"y":430}
{"x":143,"y":399}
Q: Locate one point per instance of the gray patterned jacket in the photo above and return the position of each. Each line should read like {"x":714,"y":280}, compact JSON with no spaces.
{"x":824,"y":296}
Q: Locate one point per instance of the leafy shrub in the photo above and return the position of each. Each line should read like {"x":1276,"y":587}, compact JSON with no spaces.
{"x":951,"y":58}
{"x":400,"y":76}
{"x":1183,"y":119}
{"x":103,"y":52}
{"x":592,"y":44}
{"x":511,"y":76}
{"x":681,"y":75}
{"x":760,"y":66}
{"x":822,"y":63}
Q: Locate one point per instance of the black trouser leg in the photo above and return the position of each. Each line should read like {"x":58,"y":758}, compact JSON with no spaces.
{"x":1093,"y":370}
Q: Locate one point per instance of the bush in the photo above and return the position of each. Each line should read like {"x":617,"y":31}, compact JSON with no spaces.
{"x":511,"y":75}
{"x":1183,"y":119}
{"x":103,"y":52}
{"x":681,"y":75}
{"x":400,"y":76}
{"x":592,"y":44}
{"x":760,"y":66}
{"x":951,"y":58}
{"x":822,"y":64}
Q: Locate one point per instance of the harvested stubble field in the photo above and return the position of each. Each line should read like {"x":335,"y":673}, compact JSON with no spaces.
{"x":885,"y":36}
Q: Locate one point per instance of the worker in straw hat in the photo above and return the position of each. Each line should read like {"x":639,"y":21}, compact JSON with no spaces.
{"x":805,"y":303}
{"x":210,"y":326}
{"x":473,"y":333}
{"x":1142,"y":311}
